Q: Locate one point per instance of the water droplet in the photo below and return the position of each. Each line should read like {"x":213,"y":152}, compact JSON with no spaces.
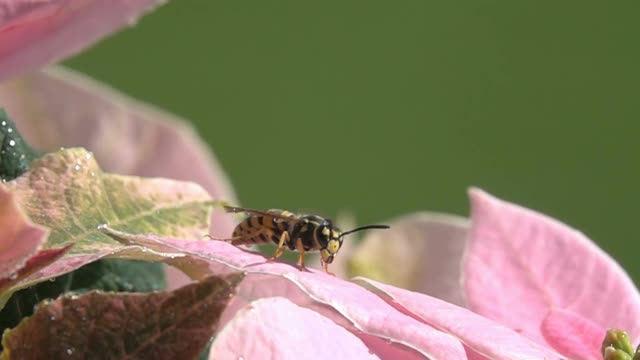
{"x":13,"y":276}
{"x":102,"y":227}
{"x":4,"y":123}
{"x":77,"y":167}
{"x":93,"y":174}
{"x":12,"y":143}
{"x":52,"y":318}
{"x":22,"y":157}
{"x":88,"y":156}
{"x":52,"y":279}
{"x":69,"y":351}
{"x":240,"y":357}
{"x":9,"y":130}
{"x":61,"y":148}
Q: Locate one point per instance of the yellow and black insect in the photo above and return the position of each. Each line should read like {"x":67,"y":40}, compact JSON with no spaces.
{"x":298,"y":232}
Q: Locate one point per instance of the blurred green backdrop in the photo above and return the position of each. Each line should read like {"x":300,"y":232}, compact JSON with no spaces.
{"x":387,"y":107}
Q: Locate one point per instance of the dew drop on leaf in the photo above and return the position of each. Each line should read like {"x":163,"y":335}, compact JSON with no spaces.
{"x":12,"y":142}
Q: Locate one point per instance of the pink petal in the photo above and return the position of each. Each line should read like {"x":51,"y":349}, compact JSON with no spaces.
{"x":521,"y":264}
{"x":37,"y":32}
{"x":421,"y":252}
{"x":573,"y":335}
{"x":20,"y":239}
{"x":275,"y":328}
{"x":382,"y":328}
{"x":480,"y":335}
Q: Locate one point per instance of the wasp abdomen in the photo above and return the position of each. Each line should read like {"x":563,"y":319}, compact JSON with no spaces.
{"x":258,"y":229}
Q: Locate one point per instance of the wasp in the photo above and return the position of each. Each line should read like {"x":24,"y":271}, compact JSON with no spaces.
{"x":297,"y":232}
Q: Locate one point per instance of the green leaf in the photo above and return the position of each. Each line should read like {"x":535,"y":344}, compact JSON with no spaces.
{"x":119,"y":275}
{"x":15,"y":153}
{"x":165,"y":325}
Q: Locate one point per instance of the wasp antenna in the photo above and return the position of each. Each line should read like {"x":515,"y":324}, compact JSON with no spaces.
{"x":366,"y":227}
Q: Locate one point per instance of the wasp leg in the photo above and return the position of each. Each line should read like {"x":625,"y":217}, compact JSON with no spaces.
{"x":300,"y":248}
{"x":284,"y":238}
{"x":325,"y":266}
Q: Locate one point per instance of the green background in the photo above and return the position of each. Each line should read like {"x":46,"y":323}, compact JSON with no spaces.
{"x":388,"y":107}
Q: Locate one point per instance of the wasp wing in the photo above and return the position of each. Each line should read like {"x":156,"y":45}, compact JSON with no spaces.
{"x":285,"y":215}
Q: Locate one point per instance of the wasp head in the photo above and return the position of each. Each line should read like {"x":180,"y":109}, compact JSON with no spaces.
{"x":331,"y":238}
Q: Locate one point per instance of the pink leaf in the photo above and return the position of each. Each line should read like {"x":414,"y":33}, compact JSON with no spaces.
{"x":573,"y":335}
{"x":19,"y":238}
{"x":520,"y":264}
{"x":34,"y":33}
{"x":275,"y":328}
{"x":40,"y":260}
{"x":425,"y":256}
{"x":382,"y":328}
{"x":482,"y":336}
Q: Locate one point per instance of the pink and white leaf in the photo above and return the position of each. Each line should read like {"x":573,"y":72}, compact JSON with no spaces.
{"x":421,"y":252}
{"x":383,"y":329}
{"x":125,"y":135}
{"x":482,"y":336}
{"x":521,"y":264}
{"x":20,"y":239}
{"x":276,"y":328}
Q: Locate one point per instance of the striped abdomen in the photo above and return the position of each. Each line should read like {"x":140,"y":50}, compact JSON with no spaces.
{"x":259,"y":229}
